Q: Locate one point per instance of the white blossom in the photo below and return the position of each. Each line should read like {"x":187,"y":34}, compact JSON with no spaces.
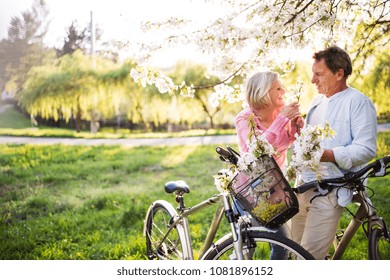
{"x":223,"y":179}
{"x":165,"y":84}
{"x":244,"y":36}
{"x":307,"y":150}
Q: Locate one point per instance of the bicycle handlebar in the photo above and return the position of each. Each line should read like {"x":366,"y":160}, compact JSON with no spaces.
{"x":229,"y":155}
{"x":379,"y":168}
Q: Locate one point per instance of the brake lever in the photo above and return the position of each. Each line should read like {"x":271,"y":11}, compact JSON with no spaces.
{"x":223,"y":159}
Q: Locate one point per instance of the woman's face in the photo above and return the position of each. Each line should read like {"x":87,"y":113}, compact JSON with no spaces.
{"x":276,"y":93}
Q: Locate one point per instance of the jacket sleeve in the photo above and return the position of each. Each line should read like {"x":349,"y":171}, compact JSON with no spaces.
{"x":363,"y":130}
{"x":276,"y":134}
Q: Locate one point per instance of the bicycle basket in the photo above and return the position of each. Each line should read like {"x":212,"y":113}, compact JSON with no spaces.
{"x":268,"y":196}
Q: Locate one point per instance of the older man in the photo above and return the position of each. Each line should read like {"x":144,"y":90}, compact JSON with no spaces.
{"x":352,"y":116}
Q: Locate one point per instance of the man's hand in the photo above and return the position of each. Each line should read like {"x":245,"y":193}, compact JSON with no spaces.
{"x":328,"y":156}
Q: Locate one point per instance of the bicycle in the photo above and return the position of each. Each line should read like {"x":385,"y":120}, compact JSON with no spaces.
{"x":374,"y":227}
{"x":168,"y":236}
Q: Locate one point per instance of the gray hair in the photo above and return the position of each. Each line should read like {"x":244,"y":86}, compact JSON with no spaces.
{"x":257,"y":88}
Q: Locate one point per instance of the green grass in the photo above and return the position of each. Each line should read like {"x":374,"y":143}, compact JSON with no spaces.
{"x":13,"y":119}
{"x":61,"y":202}
{"x":79,"y":202}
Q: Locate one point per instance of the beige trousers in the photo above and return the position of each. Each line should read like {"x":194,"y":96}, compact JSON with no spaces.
{"x":315,"y":226}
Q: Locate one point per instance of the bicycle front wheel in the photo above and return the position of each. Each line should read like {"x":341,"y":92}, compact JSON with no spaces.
{"x":257,"y":246}
{"x":163,"y":241}
{"x":378,"y":246}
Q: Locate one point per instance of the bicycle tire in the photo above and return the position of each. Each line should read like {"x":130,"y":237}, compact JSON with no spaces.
{"x":223,"y":249}
{"x":378,"y":245}
{"x":158,"y":219}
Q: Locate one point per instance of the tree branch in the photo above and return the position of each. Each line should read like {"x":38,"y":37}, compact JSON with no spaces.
{"x":299,"y":12}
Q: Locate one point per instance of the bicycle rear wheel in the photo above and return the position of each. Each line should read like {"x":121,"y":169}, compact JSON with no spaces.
{"x":256,"y":246}
{"x":378,"y":245}
{"x":163,"y":242}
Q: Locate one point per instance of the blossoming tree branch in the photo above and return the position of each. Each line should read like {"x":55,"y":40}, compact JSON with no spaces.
{"x":252,"y":33}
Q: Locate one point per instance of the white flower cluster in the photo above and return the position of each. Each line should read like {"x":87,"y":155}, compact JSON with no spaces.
{"x":307,"y":150}
{"x":294,"y":92}
{"x":186,"y":91}
{"x":244,"y":37}
{"x":225,"y":92}
{"x":145,"y":76}
{"x":258,"y":146}
{"x":164,"y":84}
{"x":172,"y":22}
{"x":223,"y":179}
{"x":245,"y":161}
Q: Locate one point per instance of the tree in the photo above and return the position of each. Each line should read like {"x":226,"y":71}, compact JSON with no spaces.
{"x":75,"y":40}
{"x":78,"y":38}
{"x":24,"y":47}
{"x":196,"y":74}
{"x":252,"y":34}
{"x":31,"y":26}
{"x":376,"y":83}
{"x":77,"y":86}
{"x":67,"y":88}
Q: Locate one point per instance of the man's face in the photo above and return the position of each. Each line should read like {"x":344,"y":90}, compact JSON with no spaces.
{"x":326,"y":82}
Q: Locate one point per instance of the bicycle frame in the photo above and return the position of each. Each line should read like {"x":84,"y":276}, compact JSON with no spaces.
{"x":224,"y":207}
{"x":365,"y":212}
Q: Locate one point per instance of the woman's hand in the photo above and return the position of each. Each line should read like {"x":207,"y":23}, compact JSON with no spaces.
{"x":291,"y":110}
{"x":299,"y":122}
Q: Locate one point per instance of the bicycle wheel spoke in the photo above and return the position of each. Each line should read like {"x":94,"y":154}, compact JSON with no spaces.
{"x":162,"y":243}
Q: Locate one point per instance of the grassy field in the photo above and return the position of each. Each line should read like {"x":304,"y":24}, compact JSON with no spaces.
{"x":60,"y":202}
{"x":77,"y":202}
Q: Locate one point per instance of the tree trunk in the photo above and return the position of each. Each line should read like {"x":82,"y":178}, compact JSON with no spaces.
{"x":78,"y":119}
{"x":94,"y":124}
{"x":211,"y":122}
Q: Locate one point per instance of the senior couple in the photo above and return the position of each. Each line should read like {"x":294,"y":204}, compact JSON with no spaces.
{"x":349,"y":113}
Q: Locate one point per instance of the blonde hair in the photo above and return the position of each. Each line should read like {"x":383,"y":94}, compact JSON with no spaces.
{"x":257,"y":88}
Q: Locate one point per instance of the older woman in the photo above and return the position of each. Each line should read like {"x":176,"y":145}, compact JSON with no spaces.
{"x":273,"y":118}
{"x":278,"y":121}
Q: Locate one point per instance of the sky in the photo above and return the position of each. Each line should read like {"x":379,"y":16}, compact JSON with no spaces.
{"x":119,"y":19}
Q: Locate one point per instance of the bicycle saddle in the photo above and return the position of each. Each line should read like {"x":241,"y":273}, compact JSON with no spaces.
{"x":174,"y":186}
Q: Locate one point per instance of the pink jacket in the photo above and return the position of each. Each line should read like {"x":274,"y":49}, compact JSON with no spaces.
{"x":279,"y":134}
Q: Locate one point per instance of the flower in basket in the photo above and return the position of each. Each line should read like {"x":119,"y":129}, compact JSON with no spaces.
{"x":249,"y":161}
{"x":307,"y":150}
{"x":257,"y":165}
{"x":258,"y":146}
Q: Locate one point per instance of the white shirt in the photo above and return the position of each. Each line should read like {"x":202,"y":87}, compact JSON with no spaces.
{"x":352,"y":116}
{"x":327,"y":169}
